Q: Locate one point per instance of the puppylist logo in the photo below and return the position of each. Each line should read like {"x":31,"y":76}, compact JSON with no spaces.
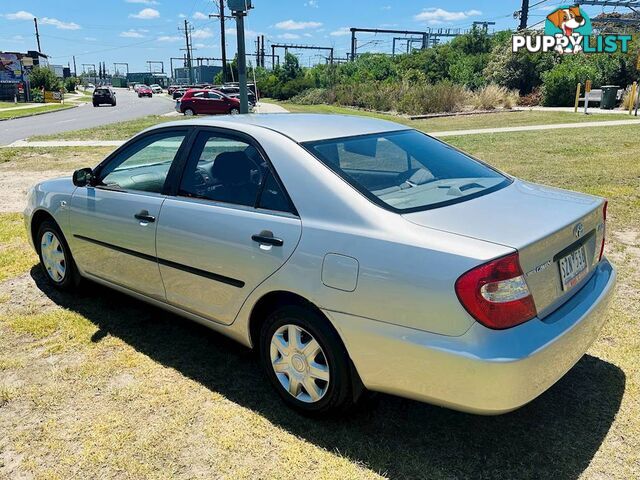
{"x":568,"y":30}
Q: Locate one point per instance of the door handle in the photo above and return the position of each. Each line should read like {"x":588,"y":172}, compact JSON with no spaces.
{"x":266,"y":237}
{"x":143,"y":216}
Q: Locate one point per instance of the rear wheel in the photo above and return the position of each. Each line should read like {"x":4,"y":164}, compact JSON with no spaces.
{"x":95,"y":104}
{"x":234,"y":111}
{"x":113,"y":104}
{"x":189,"y":112}
{"x":305,"y":361}
{"x":55,"y":257}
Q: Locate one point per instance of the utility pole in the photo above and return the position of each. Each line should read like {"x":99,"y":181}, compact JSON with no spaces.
{"x":187,"y":34}
{"x":223,"y":43}
{"x":35,"y":21}
{"x":524,"y":15}
{"x":75,"y":71}
{"x":242,"y":62}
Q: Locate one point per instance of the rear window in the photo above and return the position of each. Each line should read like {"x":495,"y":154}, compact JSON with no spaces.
{"x":101,"y":91}
{"x":407,"y":171}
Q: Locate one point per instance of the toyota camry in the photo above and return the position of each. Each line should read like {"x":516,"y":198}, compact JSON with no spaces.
{"x":353,"y":254}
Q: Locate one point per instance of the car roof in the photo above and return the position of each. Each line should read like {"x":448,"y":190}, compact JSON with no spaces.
{"x":301,"y":127}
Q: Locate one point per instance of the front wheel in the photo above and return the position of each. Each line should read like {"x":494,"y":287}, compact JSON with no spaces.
{"x":306,"y":361}
{"x":234,"y":111}
{"x":189,"y":112}
{"x":95,"y":104}
{"x":55,"y":257}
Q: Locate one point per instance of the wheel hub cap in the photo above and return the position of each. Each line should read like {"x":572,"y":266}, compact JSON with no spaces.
{"x":299,"y":363}
{"x":53,"y":257}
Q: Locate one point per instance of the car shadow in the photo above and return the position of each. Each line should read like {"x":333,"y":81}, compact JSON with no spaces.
{"x":555,"y":436}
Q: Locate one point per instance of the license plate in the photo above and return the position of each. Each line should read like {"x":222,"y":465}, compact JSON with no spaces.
{"x":573,"y":268}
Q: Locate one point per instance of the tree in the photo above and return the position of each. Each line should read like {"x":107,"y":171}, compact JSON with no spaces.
{"x":43,"y":77}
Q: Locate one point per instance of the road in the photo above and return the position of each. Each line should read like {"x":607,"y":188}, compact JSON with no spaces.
{"x":128,"y":107}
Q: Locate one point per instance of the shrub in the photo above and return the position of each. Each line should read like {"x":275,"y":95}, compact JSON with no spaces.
{"x":440,"y":97}
{"x":44,"y":77}
{"x":70,"y":84}
{"x":559,"y":83}
{"x":312,"y":96}
{"x":531,"y":99}
{"x":493,"y":96}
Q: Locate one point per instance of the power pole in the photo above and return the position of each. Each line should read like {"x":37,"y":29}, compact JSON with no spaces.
{"x":524,"y":15}
{"x":262,"y":52}
{"x":187,"y":37}
{"x":242,"y":62}
{"x":35,"y":21}
{"x":223,"y":42}
{"x":75,"y":71}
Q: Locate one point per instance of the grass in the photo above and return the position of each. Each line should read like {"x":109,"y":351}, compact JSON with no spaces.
{"x":116,"y":131}
{"x":61,"y":159}
{"x":16,"y":255}
{"x":462,"y":122}
{"x":27,"y":112}
{"x":99,"y":385}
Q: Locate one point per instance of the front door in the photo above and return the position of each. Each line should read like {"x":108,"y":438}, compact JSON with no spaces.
{"x":114,"y":221}
{"x":230,"y":227}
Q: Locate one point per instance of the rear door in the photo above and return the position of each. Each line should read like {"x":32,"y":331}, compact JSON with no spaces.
{"x":114,"y":222}
{"x":229,"y":226}
{"x":217,"y":103}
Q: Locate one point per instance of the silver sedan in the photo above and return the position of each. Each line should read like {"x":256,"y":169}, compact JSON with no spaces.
{"x":353,"y":254}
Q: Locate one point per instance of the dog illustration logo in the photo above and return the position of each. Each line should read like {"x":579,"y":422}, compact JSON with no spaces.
{"x":568,"y":21}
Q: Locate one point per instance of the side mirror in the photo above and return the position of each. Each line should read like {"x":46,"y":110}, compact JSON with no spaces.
{"x":82,"y":177}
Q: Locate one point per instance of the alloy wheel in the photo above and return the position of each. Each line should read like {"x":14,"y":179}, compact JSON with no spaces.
{"x":299,"y":363}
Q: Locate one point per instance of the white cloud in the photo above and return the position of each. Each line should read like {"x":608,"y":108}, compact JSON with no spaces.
{"x":341,"y":32}
{"x":289,"y":36}
{"x":386,"y":7}
{"x":439,"y":15}
{"x":90,"y":39}
{"x":293,"y":25}
{"x":59,"y":23}
{"x":169,"y":38}
{"x":311,"y":3}
{"x":200,"y":16}
{"x":182,"y":15}
{"x":202,"y":33}
{"x":146,"y":14}
{"x":131,"y":34}
{"x":144,"y":2}
{"x":20,"y":15}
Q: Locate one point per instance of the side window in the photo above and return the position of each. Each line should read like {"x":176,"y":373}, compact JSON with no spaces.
{"x":273,"y":197}
{"x":214,"y":96}
{"x":224,"y":170}
{"x":143,"y":166}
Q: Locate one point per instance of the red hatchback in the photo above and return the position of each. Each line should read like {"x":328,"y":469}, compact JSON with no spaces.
{"x":208,"y":102}
{"x":144,"y":91}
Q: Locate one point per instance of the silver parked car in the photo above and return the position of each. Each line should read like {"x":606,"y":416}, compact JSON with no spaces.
{"x":354,"y":254}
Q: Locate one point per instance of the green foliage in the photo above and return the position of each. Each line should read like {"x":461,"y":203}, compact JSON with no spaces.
{"x":70,"y":84}
{"x":44,"y":77}
{"x":560,"y":82}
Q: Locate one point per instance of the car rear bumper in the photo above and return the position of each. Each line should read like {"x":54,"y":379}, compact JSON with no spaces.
{"x":483,"y":371}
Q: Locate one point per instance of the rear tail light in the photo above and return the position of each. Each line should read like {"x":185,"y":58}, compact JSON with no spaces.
{"x":604,"y":228}
{"x":496,"y":293}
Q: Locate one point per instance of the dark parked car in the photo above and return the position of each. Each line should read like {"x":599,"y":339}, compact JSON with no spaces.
{"x":102,"y":95}
{"x":144,"y":91}
{"x":207,"y":102}
{"x":178,"y":93}
{"x":233,"y":91}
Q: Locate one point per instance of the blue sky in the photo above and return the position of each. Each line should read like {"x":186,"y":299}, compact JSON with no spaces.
{"x":135,"y":31}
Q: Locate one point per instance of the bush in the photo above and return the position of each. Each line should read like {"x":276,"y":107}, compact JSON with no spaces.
{"x":70,"y":84}
{"x":44,"y":77}
{"x":312,"y":96}
{"x":532,"y":99}
{"x":559,"y":83}
{"x":440,"y":97}
{"x":36,"y":96}
{"x":493,"y":96}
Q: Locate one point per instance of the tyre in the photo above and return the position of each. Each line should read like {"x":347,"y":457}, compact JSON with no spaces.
{"x":189,"y":112}
{"x":306,"y":361}
{"x":234,"y":111}
{"x":95,"y":104}
{"x":113,"y":104}
{"x":55,"y":257}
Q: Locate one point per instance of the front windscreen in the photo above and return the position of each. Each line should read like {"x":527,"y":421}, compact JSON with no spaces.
{"x":407,"y":170}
